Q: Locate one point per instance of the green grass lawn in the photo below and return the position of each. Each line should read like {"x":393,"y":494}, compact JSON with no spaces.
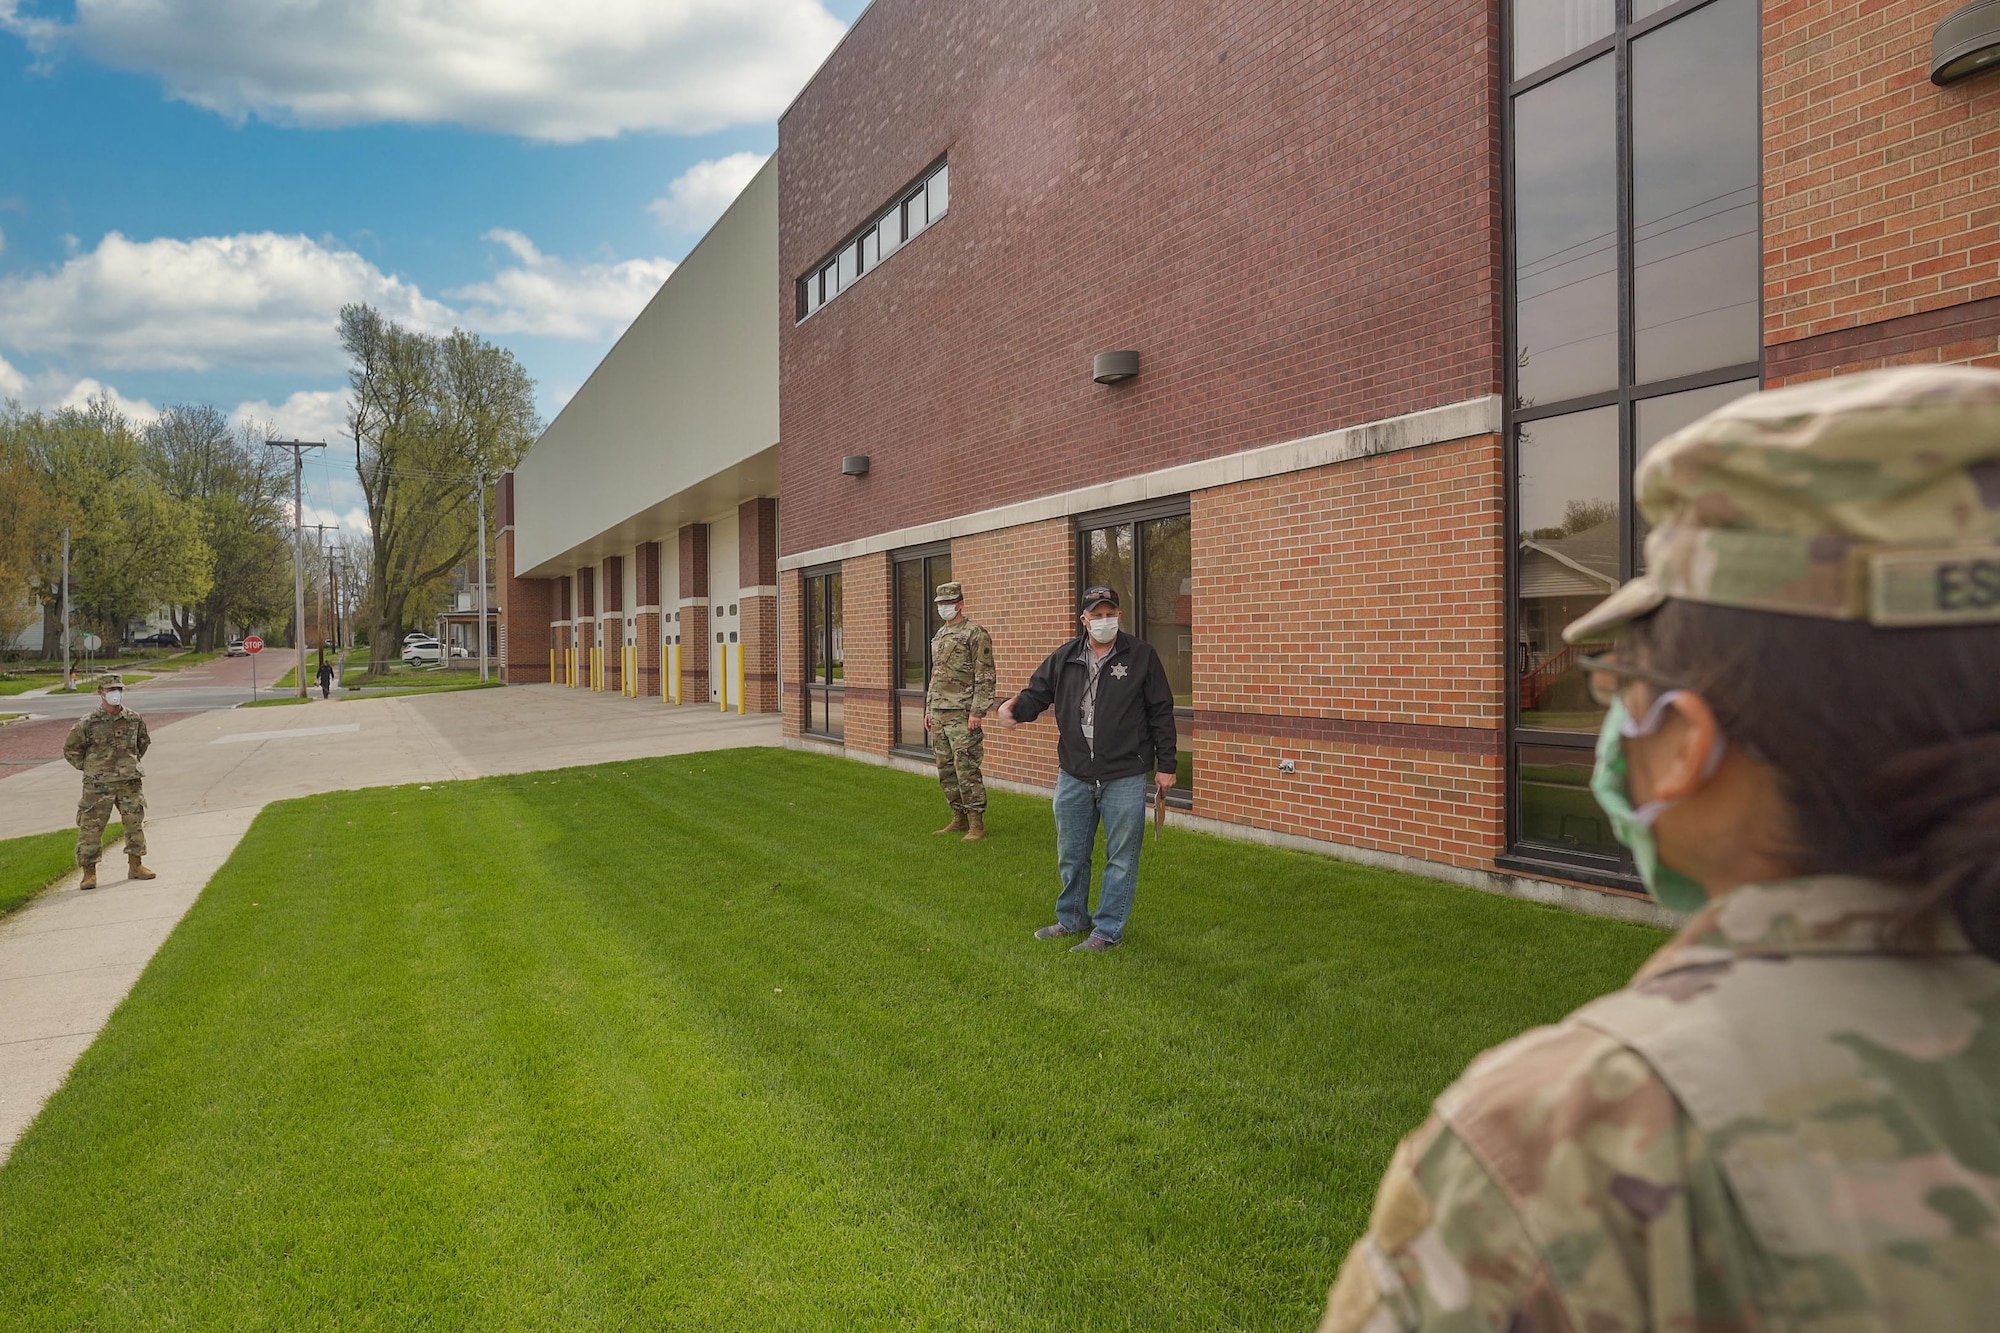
{"x":729,"y":1042}
{"x":29,"y":865}
{"x":21,"y":682}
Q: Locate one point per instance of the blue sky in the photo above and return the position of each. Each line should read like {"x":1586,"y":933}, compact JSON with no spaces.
{"x":190,"y":188}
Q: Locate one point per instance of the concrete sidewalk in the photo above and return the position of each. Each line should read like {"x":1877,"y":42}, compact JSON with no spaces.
{"x":69,"y":958}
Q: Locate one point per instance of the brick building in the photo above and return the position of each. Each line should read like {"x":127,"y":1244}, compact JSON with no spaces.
{"x":1412,"y":286}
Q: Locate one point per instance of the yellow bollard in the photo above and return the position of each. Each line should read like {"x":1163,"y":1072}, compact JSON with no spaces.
{"x":674,"y":661}
{"x":741,"y":703}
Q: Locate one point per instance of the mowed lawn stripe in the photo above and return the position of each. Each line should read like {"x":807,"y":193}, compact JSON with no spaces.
{"x":728,"y":1040}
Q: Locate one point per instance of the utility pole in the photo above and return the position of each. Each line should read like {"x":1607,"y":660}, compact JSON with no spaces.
{"x":298,"y":449}
{"x":69,"y":681}
{"x":319,"y":531}
{"x":479,"y":479}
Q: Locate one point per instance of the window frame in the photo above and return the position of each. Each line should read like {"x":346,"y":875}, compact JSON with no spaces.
{"x":1520,"y":853}
{"x":1181,"y":796}
{"x":812,"y":292}
{"x":898,"y":692}
{"x":818,"y":694}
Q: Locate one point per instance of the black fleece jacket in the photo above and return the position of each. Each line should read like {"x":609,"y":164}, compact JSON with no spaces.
{"x":1135,"y":710}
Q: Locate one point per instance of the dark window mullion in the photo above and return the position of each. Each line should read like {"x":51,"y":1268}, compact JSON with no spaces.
{"x":1627,"y":340}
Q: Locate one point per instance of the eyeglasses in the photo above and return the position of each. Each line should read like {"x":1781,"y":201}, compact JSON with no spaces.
{"x":1605,"y":677}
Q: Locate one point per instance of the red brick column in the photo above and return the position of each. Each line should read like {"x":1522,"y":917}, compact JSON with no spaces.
{"x":584,"y":624}
{"x":757,"y":561}
{"x":867,"y":636}
{"x":694,"y":614}
{"x":611,"y":624}
{"x":647,"y":614}
{"x":526,"y":605}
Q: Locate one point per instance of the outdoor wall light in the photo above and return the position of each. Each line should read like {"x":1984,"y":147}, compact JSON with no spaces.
{"x":1114,"y":367}
{"x":854,"y":465}
{"x":1965,"y":41}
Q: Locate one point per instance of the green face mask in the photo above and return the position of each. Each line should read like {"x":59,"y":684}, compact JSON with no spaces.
{"x":1634,"y":828}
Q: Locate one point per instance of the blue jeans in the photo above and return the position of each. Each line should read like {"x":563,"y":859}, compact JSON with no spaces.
{"x":1120,"y":805}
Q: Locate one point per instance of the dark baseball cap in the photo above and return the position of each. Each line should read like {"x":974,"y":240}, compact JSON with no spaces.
{"x":1098,"y":592}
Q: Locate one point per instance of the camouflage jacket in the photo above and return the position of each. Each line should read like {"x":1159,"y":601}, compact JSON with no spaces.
{"x":107,"y":746}
{"x":1777,"y":1125}
{"x":961,"y":668}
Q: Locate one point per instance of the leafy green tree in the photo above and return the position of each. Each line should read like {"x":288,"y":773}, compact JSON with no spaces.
{"x":22,"y":502}
{"x":239,"y":489}
{"x":430,"y":416}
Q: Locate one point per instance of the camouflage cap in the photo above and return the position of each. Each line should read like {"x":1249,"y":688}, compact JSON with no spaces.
{"x":110,"y":680}
{"x":1871,"y":497}
{"x":949,"y":592}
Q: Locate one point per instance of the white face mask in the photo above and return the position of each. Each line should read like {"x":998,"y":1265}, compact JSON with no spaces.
{"x":114,"y":697}
{"x":1105,"y":630}
{"x":949,"y":610}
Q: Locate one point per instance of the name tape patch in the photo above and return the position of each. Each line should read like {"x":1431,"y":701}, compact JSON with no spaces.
{"x":1953,"y":587}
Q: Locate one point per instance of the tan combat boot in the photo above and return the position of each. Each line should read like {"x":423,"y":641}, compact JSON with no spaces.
{"x":89,"y":880}
{"x":957,"y":824}
{"x":975,"y":830}
{"x":136,"y":869}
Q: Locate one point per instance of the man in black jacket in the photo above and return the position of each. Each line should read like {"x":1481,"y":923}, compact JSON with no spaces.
{"x":1114,"y":726}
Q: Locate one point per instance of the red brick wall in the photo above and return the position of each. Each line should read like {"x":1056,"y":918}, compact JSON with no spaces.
{"x":867,"y":639}
{"x":651,"y":685}
{"x":1290,"y":209}
{"x":760,"y":654}
{"x":1350,"y":618}
{"x":1018,"y":584}
{"x":1881,"y":192}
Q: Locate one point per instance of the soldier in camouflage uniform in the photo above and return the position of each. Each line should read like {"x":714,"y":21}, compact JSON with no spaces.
{"x":955,"y":709}
{"x":107,"y":746}
{"x":1790,"y":1119}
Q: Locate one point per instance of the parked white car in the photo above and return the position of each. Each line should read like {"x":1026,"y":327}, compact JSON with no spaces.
{"x":426,"y":650}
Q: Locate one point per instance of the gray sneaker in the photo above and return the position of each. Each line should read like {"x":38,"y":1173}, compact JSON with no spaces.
{"x":1095,"y":944}
{"x":1055,"y":932}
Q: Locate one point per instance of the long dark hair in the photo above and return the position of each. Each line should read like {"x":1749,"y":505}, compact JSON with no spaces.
{"x":1887,"y":743}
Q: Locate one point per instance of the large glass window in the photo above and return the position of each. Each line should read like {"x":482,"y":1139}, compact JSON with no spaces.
{"x":1636,"y":277}
{"x":1146,"y":555}
{"x":917,"y":578}
{"x":824,"y":692}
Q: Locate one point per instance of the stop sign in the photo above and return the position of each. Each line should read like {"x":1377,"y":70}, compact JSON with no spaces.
{"x":252,"y":644}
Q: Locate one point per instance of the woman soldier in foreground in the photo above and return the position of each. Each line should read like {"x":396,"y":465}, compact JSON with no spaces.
{"x":1791,"y":1118}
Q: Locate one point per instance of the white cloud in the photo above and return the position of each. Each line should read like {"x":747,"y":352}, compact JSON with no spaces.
{"x":547,"y":71}
{"x":86,"y":390}
{"x":350,"y":522}
{"x":309,"y":414}
{"x":540,"y":294}
{"x":13,"y":384}
{"x":698,"y":196}
{"x":253,"y":301}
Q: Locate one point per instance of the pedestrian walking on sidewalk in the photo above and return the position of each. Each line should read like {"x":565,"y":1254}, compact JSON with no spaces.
{"x":955,"y":708}
{"x":1788,"y":1119}
{"x":107,"y":746}
{"x":325,"y":677}
{"x":1114,"y":738}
